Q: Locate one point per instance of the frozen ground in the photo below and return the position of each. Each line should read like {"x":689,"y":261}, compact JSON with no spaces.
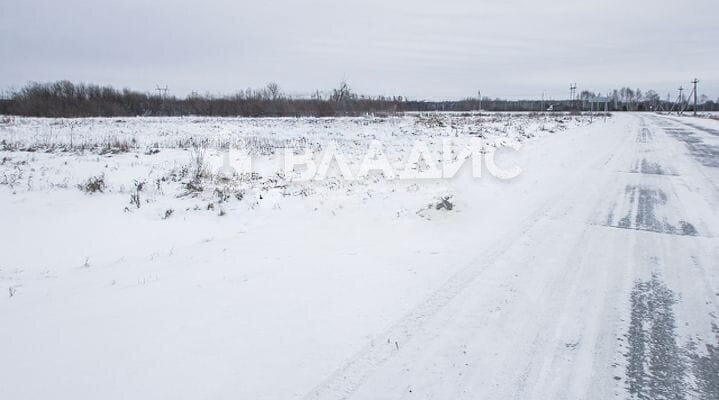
{"x":591,"y":275}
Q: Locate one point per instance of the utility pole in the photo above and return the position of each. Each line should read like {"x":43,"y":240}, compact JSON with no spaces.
{"x":576,"y":96}
{"x":161,"y":91}
{"x":695,"y":81}
{"x":479,"y":97}
{"x":572,"y":94}
{"x":681,"y":99}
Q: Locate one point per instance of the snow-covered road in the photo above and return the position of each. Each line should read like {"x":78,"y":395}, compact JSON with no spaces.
{"x":609,"y":287}
{"x":593,"y":275}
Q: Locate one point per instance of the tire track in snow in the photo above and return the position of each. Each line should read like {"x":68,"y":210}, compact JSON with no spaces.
{"x":345,"y":381}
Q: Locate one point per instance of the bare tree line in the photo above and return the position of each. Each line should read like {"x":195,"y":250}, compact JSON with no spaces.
{"x":66,"y":99}
{"x":627,"y":99}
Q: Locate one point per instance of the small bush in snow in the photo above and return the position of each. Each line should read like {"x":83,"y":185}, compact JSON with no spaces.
{"x":115,"y":146}
{"x":199,"y":169}
{"x":197,"y":172}
{"x":226,"y":192}
{"x":444,"y":203}
{"x":193,"y":186}
{"x":155,"y":149}
{"x":135,"y":195}
{"x":13,"y":178}
{"x":94,"y":184}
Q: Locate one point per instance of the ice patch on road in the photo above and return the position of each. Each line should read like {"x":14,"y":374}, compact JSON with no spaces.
{"x":648,"y":167}
{"x":643,"y":209}
{"x":655,"y":368}
{"x":658,"y":367}
{"x":705,"y":153}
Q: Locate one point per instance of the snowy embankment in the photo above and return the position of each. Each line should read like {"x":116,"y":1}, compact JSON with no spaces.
{"x":131,"y":269}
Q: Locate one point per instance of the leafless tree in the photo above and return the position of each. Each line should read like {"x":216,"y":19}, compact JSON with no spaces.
{"x":274,"y":90}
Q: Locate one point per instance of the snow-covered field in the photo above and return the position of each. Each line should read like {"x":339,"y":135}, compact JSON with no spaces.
{"x":134,"y":266}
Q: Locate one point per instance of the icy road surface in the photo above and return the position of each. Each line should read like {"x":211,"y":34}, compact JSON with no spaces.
{"x":594,"y":275}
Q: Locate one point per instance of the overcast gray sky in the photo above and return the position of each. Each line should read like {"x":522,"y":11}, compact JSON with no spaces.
{"x":421,"y":49}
